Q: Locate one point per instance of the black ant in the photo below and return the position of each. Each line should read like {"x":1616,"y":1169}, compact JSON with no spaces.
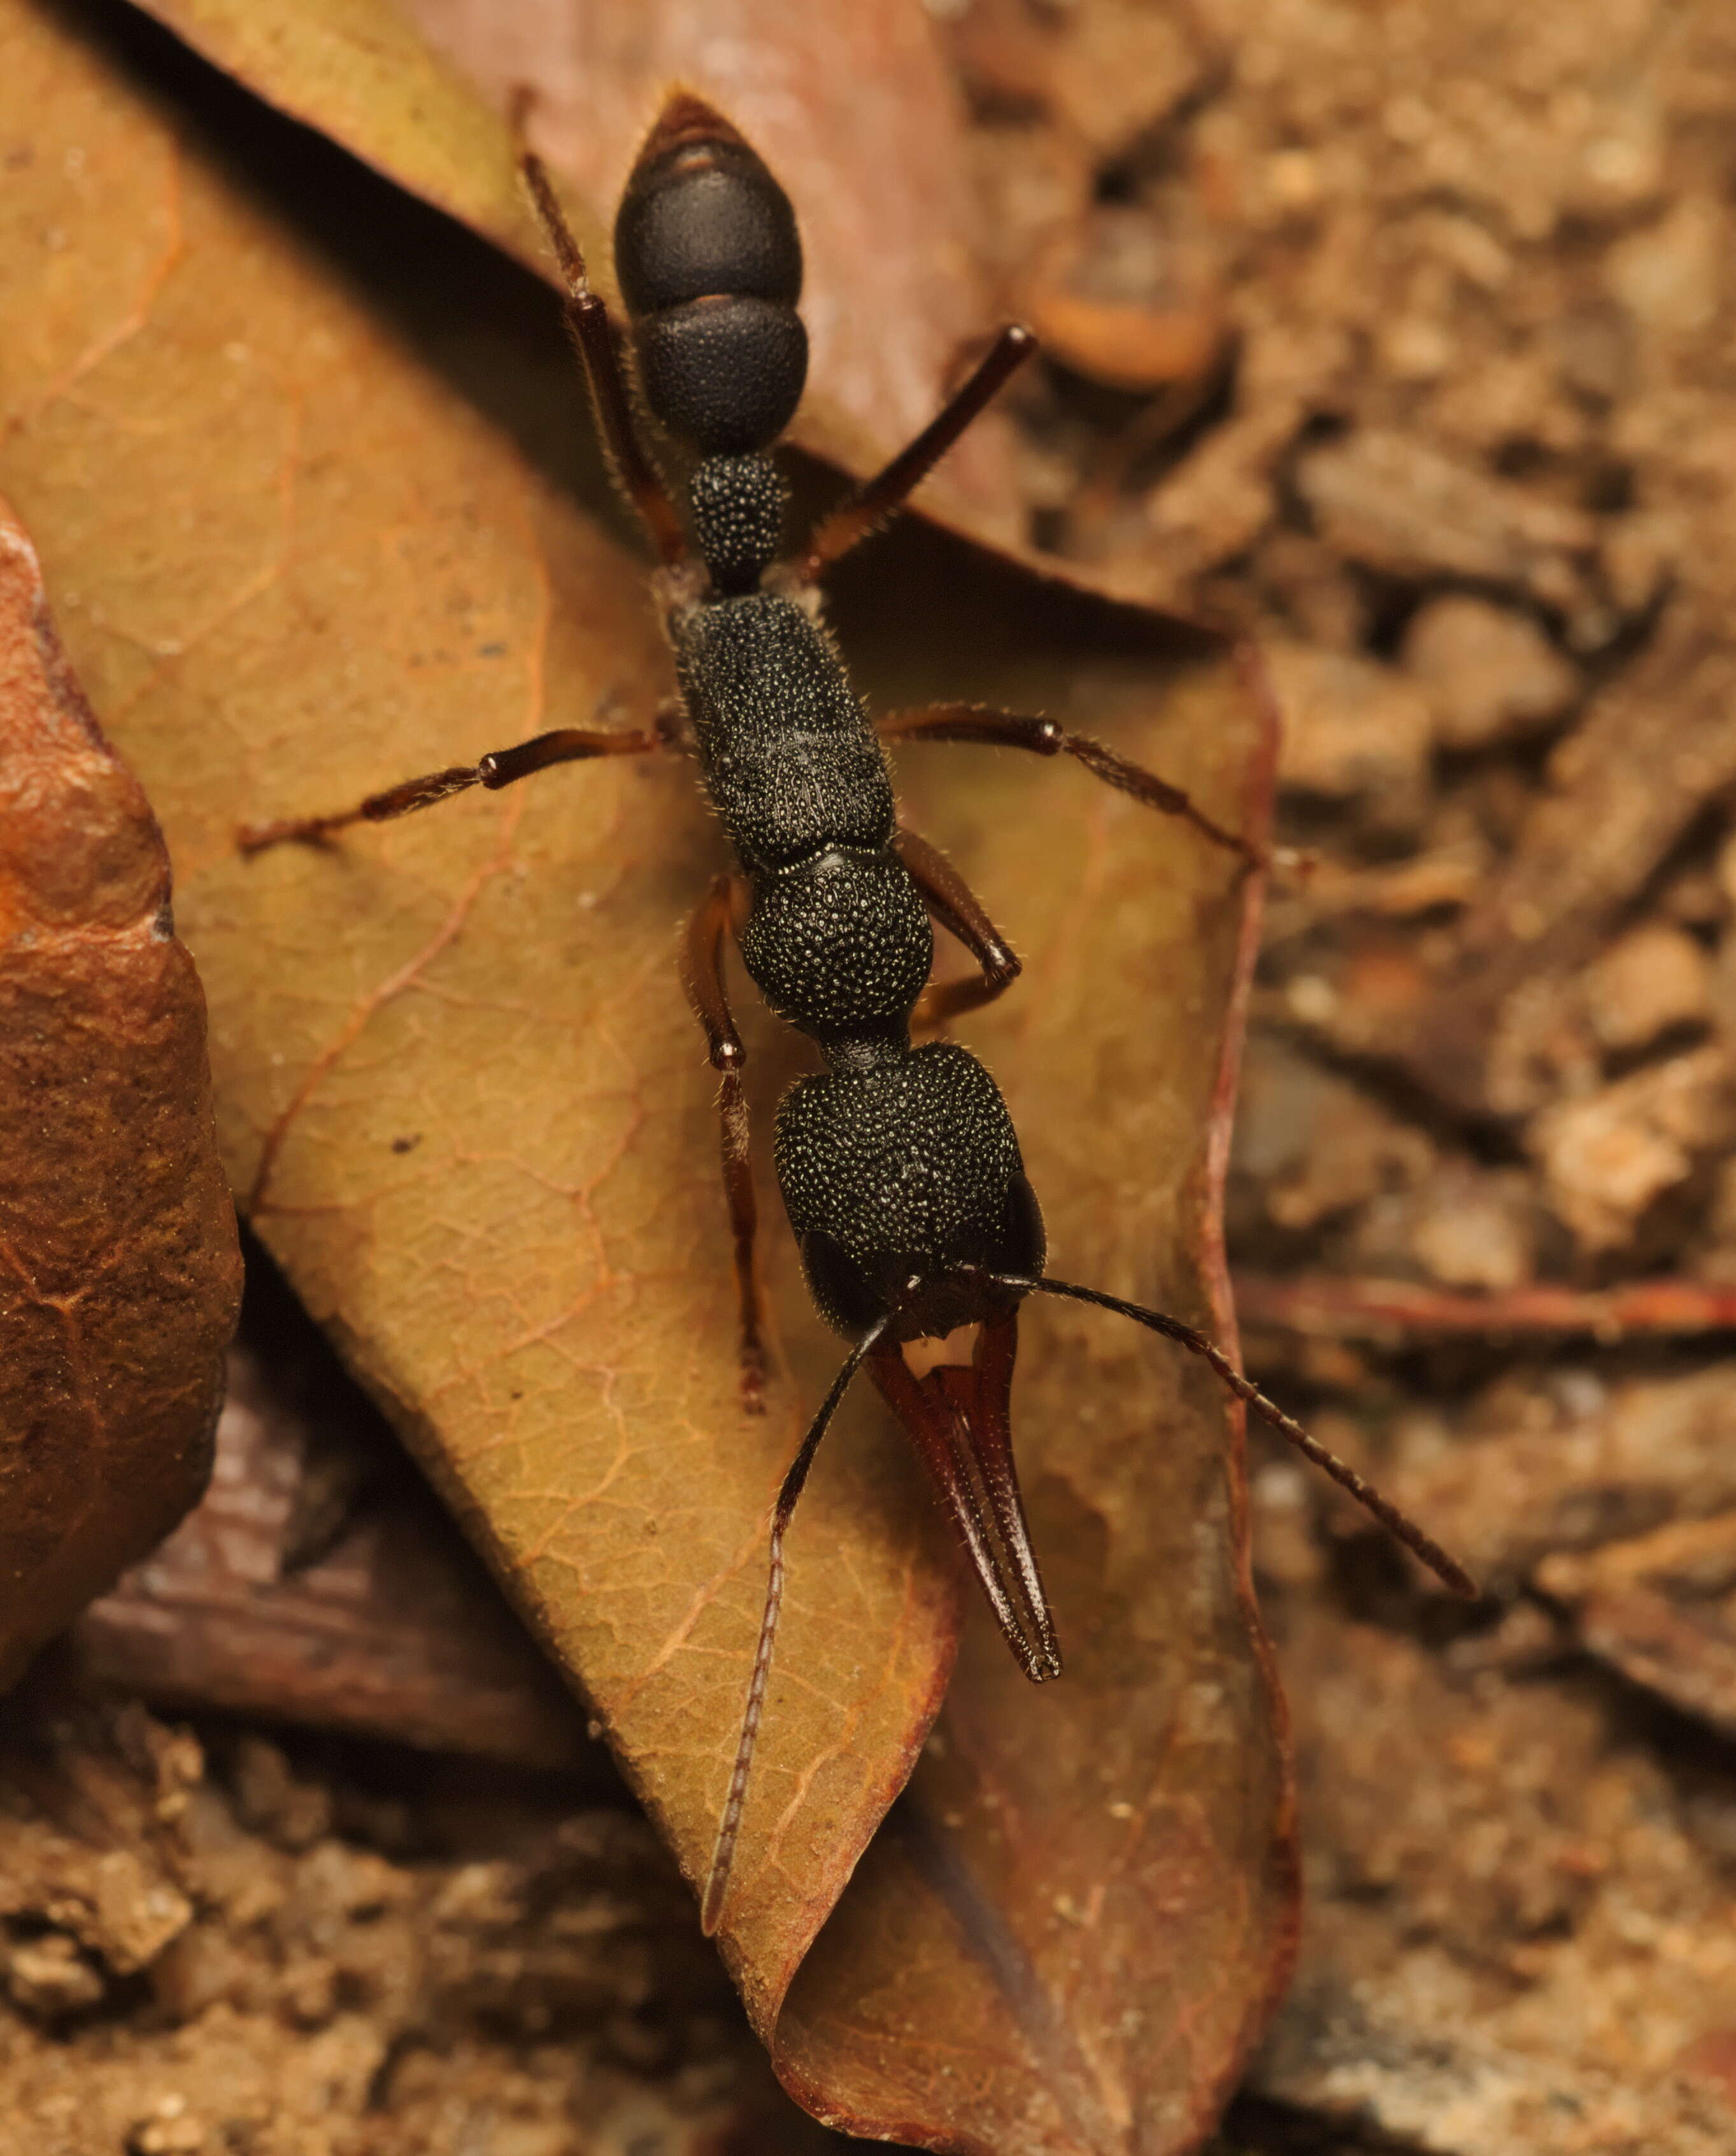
{"x":898,"y":1164}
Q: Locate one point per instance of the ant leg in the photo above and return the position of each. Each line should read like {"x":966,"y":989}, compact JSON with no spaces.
{"x":977,"y":723}
{"x":872,"y":504}
{"x":702,"y":977}
{"x":500,"y":768}
{"x":593,"y":334}
{"x":955,"y":907}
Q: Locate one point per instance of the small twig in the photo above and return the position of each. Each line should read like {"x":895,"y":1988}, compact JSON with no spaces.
{"x":1335,"y":1305}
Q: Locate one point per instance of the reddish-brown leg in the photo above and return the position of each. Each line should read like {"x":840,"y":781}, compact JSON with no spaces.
{"x":955,"y":906}
{"x":702,"y":977}
{"x":872,"y":504}
{"x":502,"y":766}
{"x":593,"y":334}
{"x":977,"y":723}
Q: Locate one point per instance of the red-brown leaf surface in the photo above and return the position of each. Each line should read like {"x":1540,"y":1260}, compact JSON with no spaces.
{"x":855,"y":100}
{"x":120,"y":1273}
{"x":311,"y":471}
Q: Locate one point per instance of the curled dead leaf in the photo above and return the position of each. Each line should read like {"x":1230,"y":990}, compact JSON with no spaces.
{"x":120,"y":1271}
{"x":457,"y":1078}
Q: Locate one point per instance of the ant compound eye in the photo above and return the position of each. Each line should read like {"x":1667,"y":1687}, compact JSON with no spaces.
{"x":1023,"y":1243}
{"x":841,"y":1292}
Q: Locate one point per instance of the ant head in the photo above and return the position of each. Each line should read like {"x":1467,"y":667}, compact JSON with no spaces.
{"x":905,"y":1187}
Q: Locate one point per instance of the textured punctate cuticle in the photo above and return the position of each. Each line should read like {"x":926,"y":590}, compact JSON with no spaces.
{"x":909,"y":1167}
{"x":725,"y":372}
{"x":737,"y":505}
{"x":841,"y":944}
{"x":791,"y":764}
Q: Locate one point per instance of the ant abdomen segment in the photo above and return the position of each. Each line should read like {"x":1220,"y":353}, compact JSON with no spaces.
{"x":688,"y":358}
{"x":710,"y":264}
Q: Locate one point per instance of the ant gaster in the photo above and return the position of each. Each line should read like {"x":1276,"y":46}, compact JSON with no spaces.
{"x":899,"y":1167}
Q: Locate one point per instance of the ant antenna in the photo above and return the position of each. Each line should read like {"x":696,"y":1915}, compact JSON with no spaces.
{"x":1399,"y":1525}
{"x":710,"y":1907}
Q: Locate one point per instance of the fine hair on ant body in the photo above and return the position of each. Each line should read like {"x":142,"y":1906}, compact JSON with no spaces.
{"x":898,"y":1163}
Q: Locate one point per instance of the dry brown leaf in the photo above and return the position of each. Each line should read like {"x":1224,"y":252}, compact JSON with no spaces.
{"x":852,"y":107}
{"x":120,"y":1273}
{"x":456,"y":1075}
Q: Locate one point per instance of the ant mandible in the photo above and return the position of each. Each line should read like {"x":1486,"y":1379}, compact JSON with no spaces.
{"x":898,"y":1164}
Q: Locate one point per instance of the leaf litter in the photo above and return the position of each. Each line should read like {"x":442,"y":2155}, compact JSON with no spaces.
{"x":457,"y":1084}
